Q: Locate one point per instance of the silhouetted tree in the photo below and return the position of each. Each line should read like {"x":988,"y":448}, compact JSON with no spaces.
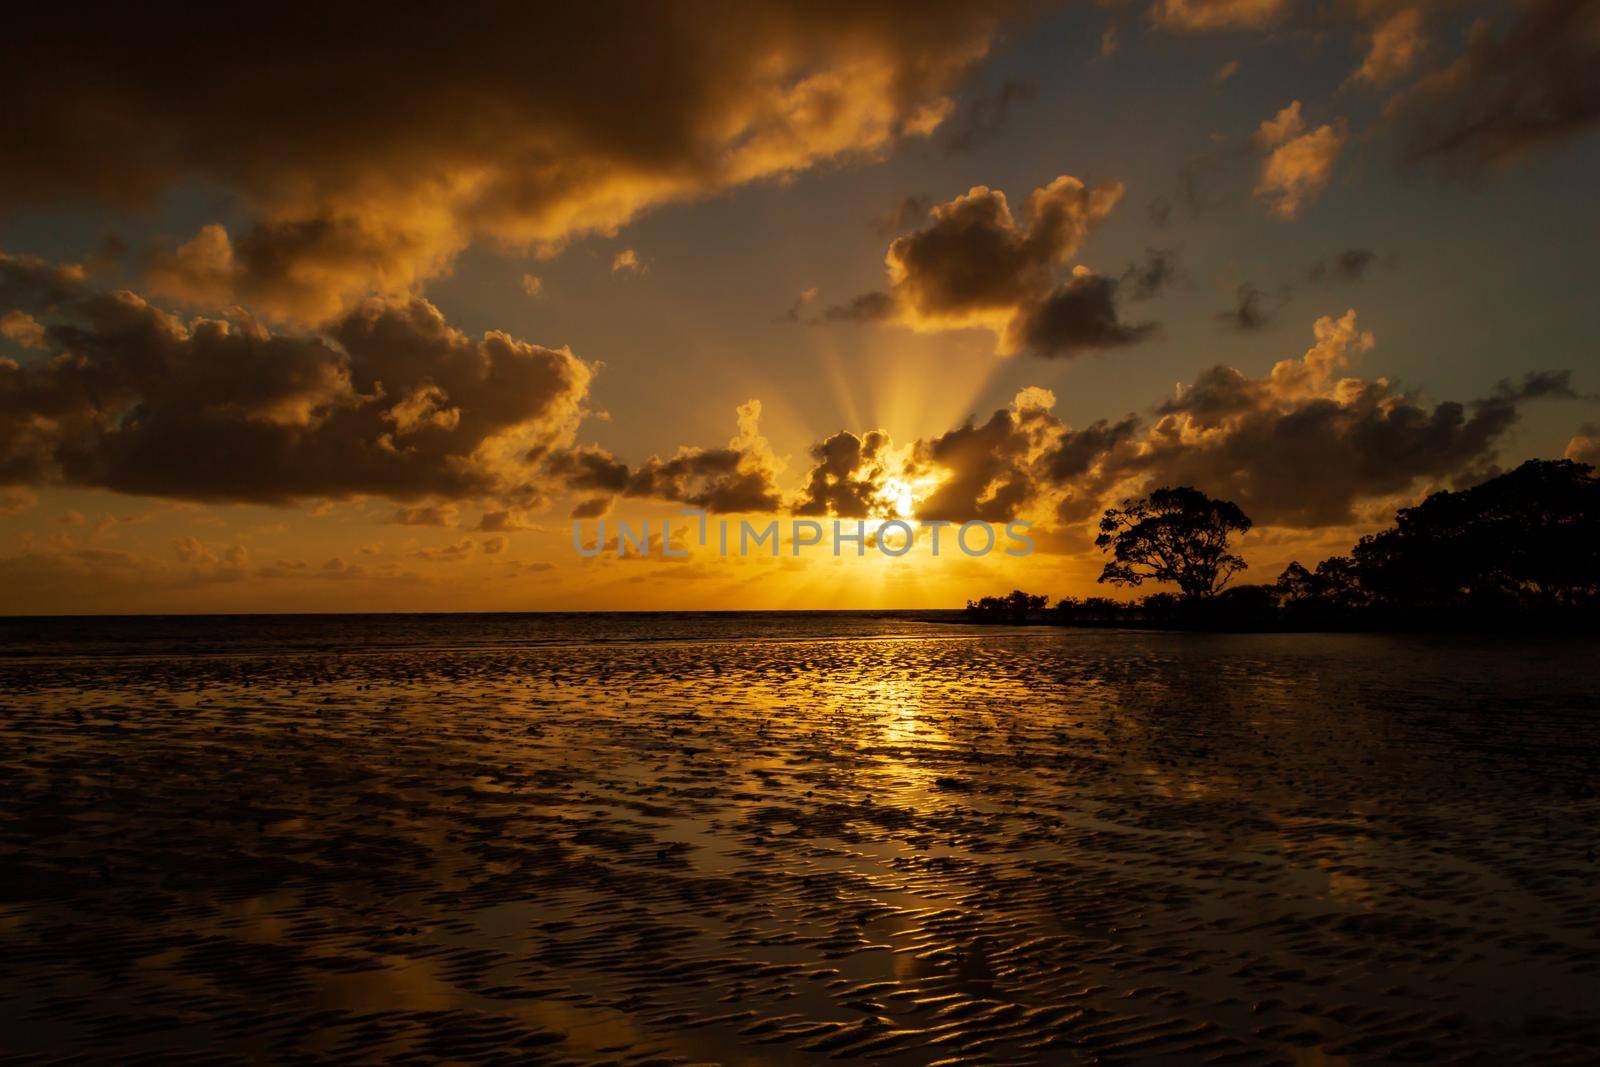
{"x":1016,"y":607}
{"x":1520,"y":549}
{"x":1101,"y":609}
{"x":1527,"y":541}
{"x":1332,"y":592}
{"x":1023,"y":605}
{"x":1244,"y":606}
{"x":1296,"y":585}
{"x":1067,"y":609}
{"x":1176,"y":535}
{"x":1161,"y":608}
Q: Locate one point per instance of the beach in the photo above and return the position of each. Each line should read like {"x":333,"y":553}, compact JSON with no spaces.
{"x":710,"y":839}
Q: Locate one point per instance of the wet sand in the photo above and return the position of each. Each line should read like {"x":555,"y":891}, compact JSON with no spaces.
{"x":1003,"y":847}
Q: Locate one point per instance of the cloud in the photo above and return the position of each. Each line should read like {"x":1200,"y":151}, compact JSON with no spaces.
{"x":507,"y":520}
{"x":1393,"y":48}
{"x":995,"y":470}
{"x":15,"y":501}
{"x":1252,"y":311}
{"x":1281,"y":127}
{"x":984,"y":114}
{"x":1532,"y":85}
{"x":441,"y":514}
{"x":806,"y":298}
{"x":988,"y":468}
{"x":493,"y":546}
{"x":849,"y":476}
{"x":1079,"y":316}
{"x":1255,"y":308}
{"x":451,"y":553}
{"x":593,"y":508}
{"x":389,"y":399}
{"x":190,"y":550}
{"x":1193,"y":15}
{"x":1159,"y":271}
{"x":906,"y":213}
{"x":1585,"y":446}
{"x":1298,"y":166}
{"x":627,"y":262}
{"x":738,"y":478}
{"x":22,"y":329}
{"x":351,"y":192}
{"x":1348,"y":266}
{"x":1226,"y":71}
{"x":532,"y":284}
{"x":1305,"y":445}
{"x":868,"y":307}
{"x":973,"y":265}
{"x":1302,"y":445}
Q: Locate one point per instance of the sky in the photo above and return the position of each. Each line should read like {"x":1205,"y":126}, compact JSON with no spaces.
{"x":358,"y":312}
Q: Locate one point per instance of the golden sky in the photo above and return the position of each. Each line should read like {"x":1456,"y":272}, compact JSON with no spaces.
{"x":362,"y":312}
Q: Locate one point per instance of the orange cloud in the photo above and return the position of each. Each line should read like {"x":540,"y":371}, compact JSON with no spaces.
{"x":510,"y":129}
{"x":1216,"y":14}
{"x":1298,"y":166}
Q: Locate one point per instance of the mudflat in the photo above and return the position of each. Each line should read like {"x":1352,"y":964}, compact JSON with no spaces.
{"x":976,"y":846}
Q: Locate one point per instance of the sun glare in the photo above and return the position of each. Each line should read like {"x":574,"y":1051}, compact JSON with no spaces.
{"x":901,"y":496}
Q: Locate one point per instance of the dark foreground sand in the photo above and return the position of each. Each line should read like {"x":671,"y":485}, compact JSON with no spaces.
{"x":1034,"y":847}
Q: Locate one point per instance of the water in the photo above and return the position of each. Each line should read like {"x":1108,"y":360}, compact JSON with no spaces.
{"x":778,"y":838}
{"x":242,"y":634}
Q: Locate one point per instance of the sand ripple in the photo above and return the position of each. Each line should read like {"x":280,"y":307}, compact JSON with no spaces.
{"x":1005,"y":848}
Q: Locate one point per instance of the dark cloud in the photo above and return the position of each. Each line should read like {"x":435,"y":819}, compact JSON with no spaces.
{"x":905,"y":214}
{"x":1301,"y":446}
{"x":988,"y":468}
{"x":801,"y":302}
{"x":738,"y":478}
{"x":588,"y":468}
{"x":984,"y":114}
{"x":973,"y":264}
{"x":389,"y":400}
{"x":369,"y":148}
{"x":440,"y":514}
{"x":717,"y":479}
{"x":505,"y":520}
{"x":1254,"y":310}
{"x":593,"y":508}
{"x":1080,"y":316}
{"x":1304,"y":445}
{"x":1205,"y":181}
{"x":1159,"y":271}
{"x":1083,"y":465}
{"x":1534,"y":83}
{"x":1538,"y":385}
{"x":868,"y":307}
{"x":1348,"y":266}
{"x":973,"y":259}
{"x":848,"y":476}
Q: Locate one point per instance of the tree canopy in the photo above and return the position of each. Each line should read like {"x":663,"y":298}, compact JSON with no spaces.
{"x":1519,"y":551}
{"x":1528,"y":540}
{"x":1176,"y":535}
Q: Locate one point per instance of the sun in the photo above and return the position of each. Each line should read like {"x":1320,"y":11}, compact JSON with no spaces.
{"x":901,"y":496}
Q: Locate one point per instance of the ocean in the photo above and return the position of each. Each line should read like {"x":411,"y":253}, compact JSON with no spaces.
{"x":781,"y":838}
